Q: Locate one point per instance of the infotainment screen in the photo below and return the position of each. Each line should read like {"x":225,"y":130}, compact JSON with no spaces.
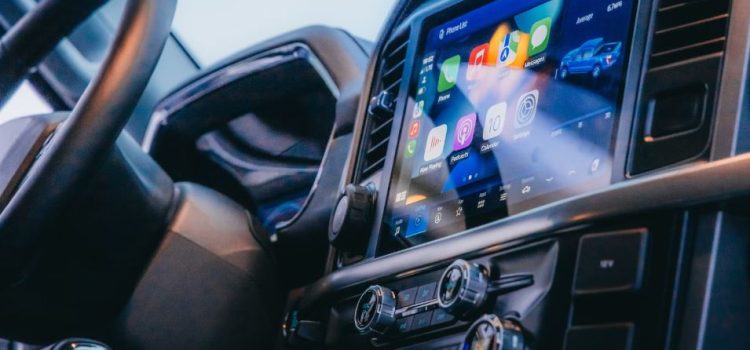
{"x":512,"y":105}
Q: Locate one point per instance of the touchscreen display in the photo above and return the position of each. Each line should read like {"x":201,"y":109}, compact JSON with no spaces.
{"x":512,"y":105}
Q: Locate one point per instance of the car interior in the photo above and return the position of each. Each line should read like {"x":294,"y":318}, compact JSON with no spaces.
{"x":479,"y":175}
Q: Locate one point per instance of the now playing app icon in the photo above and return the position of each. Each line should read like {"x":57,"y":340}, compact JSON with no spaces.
{"x":464,"y":132}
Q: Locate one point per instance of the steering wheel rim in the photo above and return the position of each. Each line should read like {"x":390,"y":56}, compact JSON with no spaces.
{"x":90,"y":131}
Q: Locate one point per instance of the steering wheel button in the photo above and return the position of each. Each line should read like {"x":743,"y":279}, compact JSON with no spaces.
{"x":426,"y":292}
{"x":407,"y":297}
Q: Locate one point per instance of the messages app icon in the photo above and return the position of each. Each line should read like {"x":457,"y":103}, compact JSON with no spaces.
{"x":540,"y":32}
{"x":449,"y":73}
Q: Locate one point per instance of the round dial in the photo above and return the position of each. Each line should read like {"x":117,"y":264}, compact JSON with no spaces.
{"x":462,"y":288}
{"x":493,"y":333}
{"x":375,"y":311}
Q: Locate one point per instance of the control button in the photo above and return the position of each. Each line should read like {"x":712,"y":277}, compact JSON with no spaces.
{"x":677,"y":111}
{"x":426,"y":293}
{"x":407,"y":297}
{"x":462,"y":288}
{"x":614,"y":337}
{"x":492,"y":332}
{"x":375,"y":311}
{"x":610,"y":262}
{"x":352,"y":217}
{"x":403,"y":325}
{"x":421,"y":320}
{"x":441,"y":316}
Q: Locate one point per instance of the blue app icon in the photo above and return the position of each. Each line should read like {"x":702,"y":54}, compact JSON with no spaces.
{"x":417,"y":221}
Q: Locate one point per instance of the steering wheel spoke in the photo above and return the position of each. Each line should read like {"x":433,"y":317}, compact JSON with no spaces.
{"x":21,"y":143}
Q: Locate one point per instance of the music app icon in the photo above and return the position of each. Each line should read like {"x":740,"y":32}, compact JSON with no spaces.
{"x":477,"y":60}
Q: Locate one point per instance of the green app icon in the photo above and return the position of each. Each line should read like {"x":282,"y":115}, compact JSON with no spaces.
{"x":411,"y":148}
{"x":449,"y":73}
{"x":540,"y":33}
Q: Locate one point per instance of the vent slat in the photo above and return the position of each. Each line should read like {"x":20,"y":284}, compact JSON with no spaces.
{"x":687,"y":29}
{"x":688,"y":36}
{"x":689,"y":12}
{"x":393,"y":87}
{"x":394,"y":74}
{"x":382,"y":127}
{"x":371,"y":169}
{"x":379,"y":127}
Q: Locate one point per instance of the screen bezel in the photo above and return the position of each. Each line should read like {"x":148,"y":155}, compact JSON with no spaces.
{"x":421,"y":23}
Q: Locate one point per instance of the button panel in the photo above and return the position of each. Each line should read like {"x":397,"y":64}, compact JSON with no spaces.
{"x":426,"y":292}
{"x":403,"y":325}
{"x":610,"y":262}
{"x":421,"y":320}
{"x":441,"y":316}
{"x":407,"y":297}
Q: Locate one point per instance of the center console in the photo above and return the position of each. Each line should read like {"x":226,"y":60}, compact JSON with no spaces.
{"x":532,"y":175}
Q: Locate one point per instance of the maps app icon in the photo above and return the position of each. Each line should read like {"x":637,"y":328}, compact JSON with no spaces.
{"x":509,"y":52}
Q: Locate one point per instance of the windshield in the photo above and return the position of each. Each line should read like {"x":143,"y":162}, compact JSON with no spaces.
{"x":608,"y":48}
{"x":212,"y":30}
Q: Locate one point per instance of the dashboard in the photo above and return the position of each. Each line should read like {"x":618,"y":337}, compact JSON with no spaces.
{"x":542,"y":175}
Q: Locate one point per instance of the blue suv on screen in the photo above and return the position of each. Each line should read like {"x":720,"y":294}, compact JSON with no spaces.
{"x":593,"y":57}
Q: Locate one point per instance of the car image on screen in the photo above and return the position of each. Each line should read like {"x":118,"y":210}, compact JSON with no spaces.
{"x":593,"y":57}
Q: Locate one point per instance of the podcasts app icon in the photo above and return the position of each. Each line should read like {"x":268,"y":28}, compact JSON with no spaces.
{"x":464,"y":132}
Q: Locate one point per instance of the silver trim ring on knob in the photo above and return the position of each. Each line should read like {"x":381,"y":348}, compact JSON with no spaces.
{"x":375,"y":311}
{"x":462,"y":288}
{"x":499,"y":334}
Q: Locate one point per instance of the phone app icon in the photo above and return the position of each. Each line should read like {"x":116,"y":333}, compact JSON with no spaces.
{"x":449,"y":73}
{"x":464,"y":132}
{"x":418,"y":109}
{"x":494,"y":121}
{"x":435,"y":142}
{"x":526,"y":109}
{"x":411,"y":148}
{"x":477,"y":60}
{"x":414,"y":129}
{"x":540,"y":33}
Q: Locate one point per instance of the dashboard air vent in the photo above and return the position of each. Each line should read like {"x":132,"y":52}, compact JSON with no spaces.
{"x":687,"y":29}
{"x":380,"y":114}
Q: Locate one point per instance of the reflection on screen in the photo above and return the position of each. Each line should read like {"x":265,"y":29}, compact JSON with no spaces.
{"x":514,"y":105}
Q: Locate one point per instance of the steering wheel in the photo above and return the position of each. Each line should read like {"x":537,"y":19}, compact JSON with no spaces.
{"x":44,"y":160}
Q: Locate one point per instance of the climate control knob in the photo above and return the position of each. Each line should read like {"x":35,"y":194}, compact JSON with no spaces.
{"x":494,"y":333}
{"x":375,"y":311}
{"x":462,"y":288}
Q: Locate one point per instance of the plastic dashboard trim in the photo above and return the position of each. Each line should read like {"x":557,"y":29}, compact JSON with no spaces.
{"x":685,"y":186}
{"x":205,"y":85}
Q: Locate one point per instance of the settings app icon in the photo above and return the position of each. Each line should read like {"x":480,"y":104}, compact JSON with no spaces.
{"x":526,"y":109}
